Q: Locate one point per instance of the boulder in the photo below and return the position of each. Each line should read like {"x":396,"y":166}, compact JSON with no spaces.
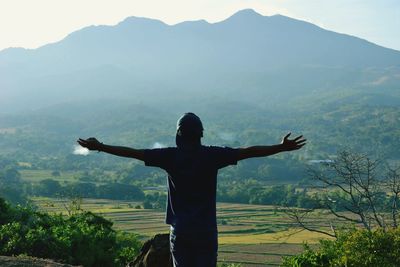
{"x":154,"y":253}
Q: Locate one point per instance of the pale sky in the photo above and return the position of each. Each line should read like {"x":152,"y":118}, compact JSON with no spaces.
{"x":33,"y":23}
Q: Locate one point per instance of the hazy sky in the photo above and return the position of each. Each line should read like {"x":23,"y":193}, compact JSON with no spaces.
{"x":32,"y":23}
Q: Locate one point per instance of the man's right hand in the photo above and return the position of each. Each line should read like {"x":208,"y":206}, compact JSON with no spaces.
{"x":90,"y":143}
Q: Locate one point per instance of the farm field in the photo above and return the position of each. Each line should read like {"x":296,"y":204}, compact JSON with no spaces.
{"x":253,"y":235}
{"x":39,"y":175}
{"x":63,"y":177}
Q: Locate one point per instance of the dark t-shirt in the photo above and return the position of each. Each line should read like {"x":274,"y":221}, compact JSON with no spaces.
{"x":192,"y":184}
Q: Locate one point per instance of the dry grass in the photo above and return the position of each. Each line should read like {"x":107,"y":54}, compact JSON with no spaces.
{"x":291,"y":236}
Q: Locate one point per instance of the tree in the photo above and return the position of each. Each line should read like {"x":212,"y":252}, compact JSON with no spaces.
{"x":353,"y":189}
{"x":48,"y":187}
{"x":11,"y":175}
{"x":87,"y":190}
{"x":147,"y":204}
{"x":55,"y":173}
{"x":393,"y":185}
{"x":120,"y":191}
{"x":11,"y":185}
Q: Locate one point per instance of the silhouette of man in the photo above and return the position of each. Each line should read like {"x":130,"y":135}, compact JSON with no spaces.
{"x":192,"y":179}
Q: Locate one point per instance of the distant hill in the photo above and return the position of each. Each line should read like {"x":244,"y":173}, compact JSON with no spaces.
{"x":251,"y":78}
{"x":247,"y":58}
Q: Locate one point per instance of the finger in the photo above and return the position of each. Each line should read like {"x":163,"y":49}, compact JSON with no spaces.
{"x":298,"y":137}
{"x":301,"y":141}
{"x":300,"y":146}
{"x":82,"y":144}
{"x":287,"y":136}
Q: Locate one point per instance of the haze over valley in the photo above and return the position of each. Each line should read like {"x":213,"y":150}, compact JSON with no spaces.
{"x":251,"y":78}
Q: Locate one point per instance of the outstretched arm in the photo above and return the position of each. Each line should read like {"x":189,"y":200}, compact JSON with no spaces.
{"x":263,"y":151}
{"x":93,"y":144}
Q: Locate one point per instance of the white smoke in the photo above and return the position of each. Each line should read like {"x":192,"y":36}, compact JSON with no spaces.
{"x":80,"y":150}
{"x":158,"y":145}
{"x":380,"y":80}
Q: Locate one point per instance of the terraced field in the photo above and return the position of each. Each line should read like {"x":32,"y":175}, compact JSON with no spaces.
{"x":38,"y":175}
{"x":252,"y":235}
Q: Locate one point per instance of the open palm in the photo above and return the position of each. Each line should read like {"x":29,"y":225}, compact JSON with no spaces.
{"x":293,"y":144}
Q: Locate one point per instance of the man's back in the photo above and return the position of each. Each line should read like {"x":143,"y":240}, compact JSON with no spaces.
{"x":192,"y":179}
{"x":192,"y":170}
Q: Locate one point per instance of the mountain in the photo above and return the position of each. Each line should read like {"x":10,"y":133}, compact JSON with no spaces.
{"x":247,"y":58}
{"x":251,"y":78}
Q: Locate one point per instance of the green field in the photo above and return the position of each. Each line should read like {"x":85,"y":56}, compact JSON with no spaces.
{"x":252,"y":235}
{"x":36,"y":176}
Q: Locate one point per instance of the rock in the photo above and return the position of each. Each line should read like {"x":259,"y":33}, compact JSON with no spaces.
{"x":154,"y":253}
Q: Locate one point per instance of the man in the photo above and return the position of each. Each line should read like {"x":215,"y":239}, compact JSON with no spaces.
{"x":192,"y":178}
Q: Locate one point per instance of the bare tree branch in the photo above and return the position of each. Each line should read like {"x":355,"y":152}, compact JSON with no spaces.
{"x":352,"y":179}
{"x":298,"y":216}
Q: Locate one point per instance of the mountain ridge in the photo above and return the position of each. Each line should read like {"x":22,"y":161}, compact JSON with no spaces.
{"x":241,"y":14}
{"x":246,"y":50}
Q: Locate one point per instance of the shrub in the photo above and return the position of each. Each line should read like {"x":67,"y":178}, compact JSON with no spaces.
{"x":128,"y":246}
{"x":82,"y":238}
{"x":353,"y":248}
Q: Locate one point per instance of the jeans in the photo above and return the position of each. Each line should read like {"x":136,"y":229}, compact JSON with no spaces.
{"x":194,"y":249}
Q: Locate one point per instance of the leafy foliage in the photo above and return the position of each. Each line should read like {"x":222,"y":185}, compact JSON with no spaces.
{"x":254,"y":192}
{"x":82,"y":238}
{"x":358,"y":247}
{"x":52,"y":188}
{"x":11,"y":185}
{"x":155,"y":200}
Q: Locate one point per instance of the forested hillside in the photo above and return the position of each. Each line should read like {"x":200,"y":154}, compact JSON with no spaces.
{"x":251,"y":78}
